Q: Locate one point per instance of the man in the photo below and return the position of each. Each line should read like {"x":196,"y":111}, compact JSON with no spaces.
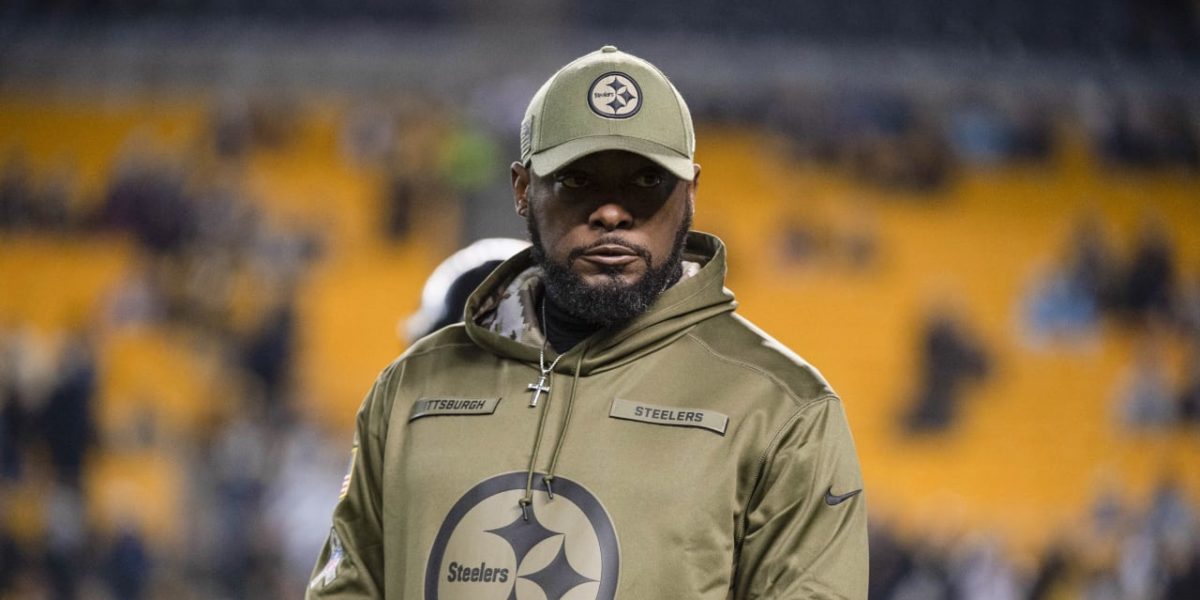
{"x":602,"y":425}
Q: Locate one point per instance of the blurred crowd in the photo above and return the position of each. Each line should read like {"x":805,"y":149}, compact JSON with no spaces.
{"x":199,"y":242}
{"x":1106,"y":27}
{"x":1119,"y":551}
{"x":260,"y":477}
{"x":211,"y":266}
{"x":1143,"y":291}
{"x":910,"y":142}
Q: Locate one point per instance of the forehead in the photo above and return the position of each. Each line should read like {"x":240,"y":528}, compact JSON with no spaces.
{"x":613,"y":162}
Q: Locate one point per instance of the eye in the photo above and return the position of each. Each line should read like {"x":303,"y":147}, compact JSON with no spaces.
{"x":648,"y":179}
{"x":573,"y":181}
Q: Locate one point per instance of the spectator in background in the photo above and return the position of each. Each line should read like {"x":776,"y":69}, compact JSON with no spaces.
{"x":1171,"y":517}
{"x":67,"y":423}
{"x":1052,"y":572}
{"x":982,"y":572}
{"x":846,"y":239}
{"x":16,"y":197}
{"x":1067,"y":303}
{"x":1158,"y":551}
{"x":451,"y":283}
{"x":13,"y":414}
{"x":929,"y":577}
{"x":149,"y":201}
{"x":268,"y":352}
{"x":53,"y":199}
{"x":136,"y":299}
{"x":951,"y":356}
{"x":1144,"y":400}
{"x":11,"y":557}
{"x":800,"y":242}
{"x":1189,"y":309}
{"x":400,"y":201}
{"x":891,"y":560}
{"x":1152,"y":134}
{"x":29,"y":371}
{"x":1188,"y":403}
{"x":301,"y":492}
{"x":859,"y":236}
{"x":66,"y":531}
{"x":1148,"y":286}
{"x":240,"y":460}
{"x":230,"y":128}
{"x":1184,"y":575}
{"x":239,"y":125}
{"x":1090,"y":260}
{"x":127,"y":564}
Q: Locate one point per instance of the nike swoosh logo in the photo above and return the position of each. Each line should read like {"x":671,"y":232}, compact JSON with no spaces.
{"x":833,"y":500}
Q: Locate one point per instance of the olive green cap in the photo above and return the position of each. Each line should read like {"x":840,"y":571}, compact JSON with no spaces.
{"x":608,"y":100}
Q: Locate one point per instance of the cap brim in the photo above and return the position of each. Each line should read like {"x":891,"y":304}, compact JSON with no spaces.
{"x":553,"y":159}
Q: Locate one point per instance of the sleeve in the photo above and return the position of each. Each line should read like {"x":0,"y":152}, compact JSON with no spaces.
{"x":351,"y":563}
{"x":805,"y":528}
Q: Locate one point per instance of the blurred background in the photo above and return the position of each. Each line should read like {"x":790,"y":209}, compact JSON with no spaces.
{"x":980,"y":219}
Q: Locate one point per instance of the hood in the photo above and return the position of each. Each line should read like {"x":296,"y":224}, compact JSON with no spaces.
{"x":500,"y":316}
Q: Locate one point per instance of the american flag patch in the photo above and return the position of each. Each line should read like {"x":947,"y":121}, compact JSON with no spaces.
{"x":329,"y":572}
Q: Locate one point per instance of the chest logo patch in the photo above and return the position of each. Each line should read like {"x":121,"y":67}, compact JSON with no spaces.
{"x":485,"y":550}
{"x":432,"y":407}
{"x":669,"y":415}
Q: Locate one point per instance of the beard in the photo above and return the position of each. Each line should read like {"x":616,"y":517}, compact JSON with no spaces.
{"x":612,"y":303}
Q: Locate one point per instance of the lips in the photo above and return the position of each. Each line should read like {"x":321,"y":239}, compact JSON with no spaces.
{"x":610,"y":255}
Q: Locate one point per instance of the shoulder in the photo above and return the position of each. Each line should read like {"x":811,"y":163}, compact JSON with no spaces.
{"x":434,"y":354}
{"x":736,"y":342}
{"x":450,"y":338}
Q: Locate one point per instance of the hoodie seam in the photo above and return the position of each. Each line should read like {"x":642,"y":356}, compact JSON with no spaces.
{"x":773,"y":446}
{"x":686,"y":298}
{"x":390,"y":387}
{"x":769,"y":453}
{"x":425,"y":351}
{"x":800,"y":403}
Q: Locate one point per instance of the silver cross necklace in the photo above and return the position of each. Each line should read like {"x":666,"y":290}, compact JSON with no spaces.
{"x":543,"y":383}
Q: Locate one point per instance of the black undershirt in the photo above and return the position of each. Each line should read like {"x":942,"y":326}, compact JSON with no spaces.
{"x":562,"y":329}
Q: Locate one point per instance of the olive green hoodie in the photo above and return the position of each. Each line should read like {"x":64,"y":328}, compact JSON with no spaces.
{"x":687,"y":455}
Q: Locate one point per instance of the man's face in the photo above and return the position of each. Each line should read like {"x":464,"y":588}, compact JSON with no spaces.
{"x":608,"y":229}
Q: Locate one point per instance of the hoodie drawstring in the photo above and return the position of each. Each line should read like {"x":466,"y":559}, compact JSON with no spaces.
{"x":527,"y":500}
{"x":562,"y":435}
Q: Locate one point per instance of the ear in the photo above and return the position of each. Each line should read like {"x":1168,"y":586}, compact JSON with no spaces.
{"x":520,"y":186}
{"x":692,"y":186}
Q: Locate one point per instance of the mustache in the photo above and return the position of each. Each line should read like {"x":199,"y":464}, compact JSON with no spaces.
{"x":641,"y":251}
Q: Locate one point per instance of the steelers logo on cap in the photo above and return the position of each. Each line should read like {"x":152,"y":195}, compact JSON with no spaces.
{"x":615,"y":95}
{"x":564,"y":548}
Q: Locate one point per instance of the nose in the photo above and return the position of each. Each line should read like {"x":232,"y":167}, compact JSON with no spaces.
{"x":609,"y":216}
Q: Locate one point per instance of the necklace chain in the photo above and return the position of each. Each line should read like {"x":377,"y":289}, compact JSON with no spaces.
{"x":545,"y":341}
{"x":540,"y":387}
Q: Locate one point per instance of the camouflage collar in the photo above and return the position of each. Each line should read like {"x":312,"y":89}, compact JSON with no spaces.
{"x":513,"y":312}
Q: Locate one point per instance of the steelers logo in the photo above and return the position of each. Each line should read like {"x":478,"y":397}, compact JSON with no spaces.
{"x":564,"y":548}
{"x":615,"y":95}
